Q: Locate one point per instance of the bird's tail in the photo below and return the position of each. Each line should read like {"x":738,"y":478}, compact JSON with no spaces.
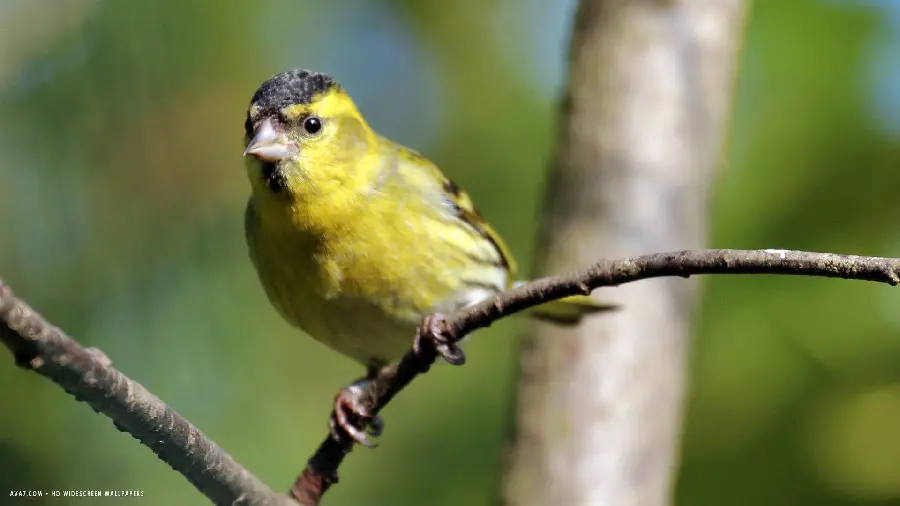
{"x":569,"y":310}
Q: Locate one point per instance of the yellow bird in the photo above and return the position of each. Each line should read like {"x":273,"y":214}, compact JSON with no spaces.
{"x":356,"y":238}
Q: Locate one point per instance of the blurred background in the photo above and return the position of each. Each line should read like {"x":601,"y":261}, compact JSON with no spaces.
{"x":122,"y":191}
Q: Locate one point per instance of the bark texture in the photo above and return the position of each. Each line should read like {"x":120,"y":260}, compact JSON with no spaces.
{"x":643,"y":123}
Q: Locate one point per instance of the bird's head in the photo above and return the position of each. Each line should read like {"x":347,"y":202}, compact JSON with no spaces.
{"x":304,"y":135}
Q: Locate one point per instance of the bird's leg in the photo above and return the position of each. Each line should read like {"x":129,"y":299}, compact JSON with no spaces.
{"x":434,"y":337}
{"x":351,"y":417}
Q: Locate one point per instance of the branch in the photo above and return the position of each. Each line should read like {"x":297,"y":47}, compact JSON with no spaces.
{"x":89,"y":376}
{"x":321,"y":471}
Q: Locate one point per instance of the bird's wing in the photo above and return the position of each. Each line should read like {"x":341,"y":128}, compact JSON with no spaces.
{"x":455,"y":201}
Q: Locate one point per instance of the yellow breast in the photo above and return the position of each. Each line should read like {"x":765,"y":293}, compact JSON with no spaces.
{"x":363,"y":288}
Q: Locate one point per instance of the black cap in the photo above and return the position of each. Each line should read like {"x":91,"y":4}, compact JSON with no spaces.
{"x":290,"y":88}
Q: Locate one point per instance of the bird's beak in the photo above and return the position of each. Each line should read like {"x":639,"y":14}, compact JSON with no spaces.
{"x":269,"y":145}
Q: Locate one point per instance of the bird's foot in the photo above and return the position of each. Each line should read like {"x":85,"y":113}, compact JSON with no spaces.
{"x":353,"y":419}
{"x":430,"y":334}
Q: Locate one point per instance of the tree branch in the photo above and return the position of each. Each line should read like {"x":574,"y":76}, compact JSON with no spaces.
{"x":321,"y":471}
{"x":89,"y":376}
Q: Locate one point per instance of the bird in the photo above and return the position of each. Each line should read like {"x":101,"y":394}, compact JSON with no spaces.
{"x":357,"y":239}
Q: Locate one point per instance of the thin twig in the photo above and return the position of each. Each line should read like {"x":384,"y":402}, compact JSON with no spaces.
{"x":89,"y":376}
{"x":321,"y":471}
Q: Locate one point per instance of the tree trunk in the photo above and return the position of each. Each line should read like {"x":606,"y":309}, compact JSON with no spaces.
{"x":644,"y":119}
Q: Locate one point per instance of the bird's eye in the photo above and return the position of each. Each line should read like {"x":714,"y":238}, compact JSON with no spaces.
{"x":312,"y":125}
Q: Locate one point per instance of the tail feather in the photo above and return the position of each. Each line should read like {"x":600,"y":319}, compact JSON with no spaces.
{"x":569,"y":310}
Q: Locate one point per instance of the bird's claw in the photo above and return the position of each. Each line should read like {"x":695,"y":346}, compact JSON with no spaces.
{"x":353,"y":419}
{"x":430,"y":334}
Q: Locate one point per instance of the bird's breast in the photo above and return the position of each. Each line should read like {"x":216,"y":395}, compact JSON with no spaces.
{"x":364,"y":286}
